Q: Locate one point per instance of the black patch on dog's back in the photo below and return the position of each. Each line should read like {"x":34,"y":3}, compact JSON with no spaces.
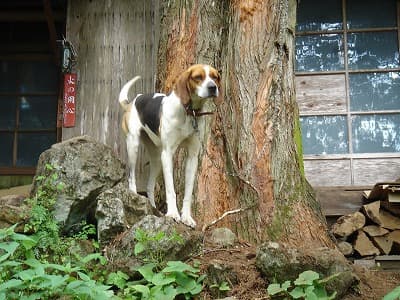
{"x":149,"y":110}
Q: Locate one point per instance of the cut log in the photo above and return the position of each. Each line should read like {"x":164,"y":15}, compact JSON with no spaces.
{"x":388,"y":220}
{"x":395,"y":236}
{"x":364,"y":246}
{"x":348,"y":224}
{"x":384,"y":243}
{"x":346,"y":248}
{"x":374,"y":230}
{"x":381,"y":216}
{"x":372,"y":211}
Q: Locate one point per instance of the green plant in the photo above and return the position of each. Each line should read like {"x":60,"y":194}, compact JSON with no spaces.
{"x":307,"y":286}
{"x":393,"y":295}
{"x":25,"y":277}
{"x":177,"y":278}
{"x":41,"y":218}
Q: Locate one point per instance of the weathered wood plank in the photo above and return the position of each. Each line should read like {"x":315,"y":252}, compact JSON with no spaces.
{"x":371,"y":171}
{"x":339,"y":201}
{"x":326,"y":172}
{"x":114,"y":40}
{"x":321,"y":94}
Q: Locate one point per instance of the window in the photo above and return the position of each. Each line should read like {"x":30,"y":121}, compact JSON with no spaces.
{"x":29,"y":90}
{"x":348,"y":90}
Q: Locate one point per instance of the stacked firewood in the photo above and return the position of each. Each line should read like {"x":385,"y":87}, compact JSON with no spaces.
{"x":372,"y":231}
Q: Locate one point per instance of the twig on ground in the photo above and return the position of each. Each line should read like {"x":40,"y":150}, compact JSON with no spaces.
{"x":229,"y":212}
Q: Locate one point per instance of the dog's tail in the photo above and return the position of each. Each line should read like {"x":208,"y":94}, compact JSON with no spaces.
{"x":123,"y":94}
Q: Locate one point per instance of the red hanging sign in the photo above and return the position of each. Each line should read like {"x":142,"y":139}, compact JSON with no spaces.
{"x":69,"y":99}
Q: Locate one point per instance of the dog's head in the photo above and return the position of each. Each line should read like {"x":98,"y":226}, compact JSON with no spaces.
{"x":201,"y":81}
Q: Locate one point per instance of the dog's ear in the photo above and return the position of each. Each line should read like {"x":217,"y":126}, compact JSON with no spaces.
{"x":182,"y":88}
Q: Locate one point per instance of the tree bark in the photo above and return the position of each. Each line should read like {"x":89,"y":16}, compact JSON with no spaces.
{"x":251,"y":159}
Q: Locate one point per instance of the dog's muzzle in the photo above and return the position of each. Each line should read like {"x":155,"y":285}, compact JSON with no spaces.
{"x":212,"y":90}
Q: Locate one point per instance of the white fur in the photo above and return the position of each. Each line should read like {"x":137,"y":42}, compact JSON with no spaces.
{"x":176,"y":129}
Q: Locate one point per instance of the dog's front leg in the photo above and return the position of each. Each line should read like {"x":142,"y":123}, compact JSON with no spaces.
{"x":193,"y":148}
{"x":167,"y":166}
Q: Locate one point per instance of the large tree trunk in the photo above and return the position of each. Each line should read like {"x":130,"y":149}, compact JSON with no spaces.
{"x":251,"y":158}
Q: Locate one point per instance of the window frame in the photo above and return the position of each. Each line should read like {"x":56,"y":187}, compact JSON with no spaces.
{"x":346,"y":71}
{"x":14,"y":169}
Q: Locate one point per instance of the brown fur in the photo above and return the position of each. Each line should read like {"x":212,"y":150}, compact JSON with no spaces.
{"x":188,"y":81}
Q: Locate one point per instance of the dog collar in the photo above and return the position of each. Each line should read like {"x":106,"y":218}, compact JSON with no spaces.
{"x":196,"y":112}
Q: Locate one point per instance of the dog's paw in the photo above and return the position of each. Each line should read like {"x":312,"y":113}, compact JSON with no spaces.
{"x":173,"y":215}
{"x":188,"y":220}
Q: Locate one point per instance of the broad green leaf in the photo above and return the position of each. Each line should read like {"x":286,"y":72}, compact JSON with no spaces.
{"x":306,"y":278}
{"x":170,"y":292}
{"x":139,"y":248}
{"x":224,"y":286}
{"x":178,"y":266}
{"x":9,"y":248}
{"x":297,"y":293}
{"x":83,"y":276}
{"x":10,"y":284}
{"x":26,"y":275}
{"x":93,"y":256}
{"x":162,"y":279}
{"x":26,"y":241}
{"x":147,"y":271}
{"x":310,"y":295}
{"x":286,"y":285}
{"x":144,"y":290}
{"x":274,"y":289}
{"x":393,"y":295}
{"x":118,"y":279}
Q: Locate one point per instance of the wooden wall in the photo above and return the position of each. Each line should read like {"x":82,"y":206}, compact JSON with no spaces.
{"x":114,"y":40}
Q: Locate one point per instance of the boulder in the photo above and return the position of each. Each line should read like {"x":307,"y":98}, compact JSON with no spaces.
{"x":117,"y":209}
{"x":278,"y":262}
{"x":223,"y":237}
{"x":13,"y":210}
{"x":86,"y":168}
{"x":177,"y":242}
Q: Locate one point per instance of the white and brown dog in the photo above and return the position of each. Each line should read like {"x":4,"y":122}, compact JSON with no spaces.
{"x":165,"y":122}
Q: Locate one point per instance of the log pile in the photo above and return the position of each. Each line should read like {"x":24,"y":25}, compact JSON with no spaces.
{"x":375,"y":229}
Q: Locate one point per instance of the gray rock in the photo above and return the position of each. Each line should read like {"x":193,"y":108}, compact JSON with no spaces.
{"x":179,"y":243}
{"x":223,"y":237}
{"x":86,"y":168}
{"x":217,"y":273}
{"x":13,"y":210}
{"x":279,"y":262}
{"x":117,"y":210}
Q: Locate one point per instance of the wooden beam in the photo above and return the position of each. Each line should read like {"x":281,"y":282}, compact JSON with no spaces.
{"x":52,"y":30}
{"x":29,"y":16}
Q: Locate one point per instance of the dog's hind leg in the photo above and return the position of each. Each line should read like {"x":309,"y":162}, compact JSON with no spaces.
{"x":132,"y":146}
{"x":155,"y":168}
{"x":193,"y":149}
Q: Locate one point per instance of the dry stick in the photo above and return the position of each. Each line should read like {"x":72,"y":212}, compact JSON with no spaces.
{"x":229,"y":212}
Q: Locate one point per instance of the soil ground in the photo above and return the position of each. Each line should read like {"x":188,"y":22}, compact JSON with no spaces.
{"x":250,"y":285}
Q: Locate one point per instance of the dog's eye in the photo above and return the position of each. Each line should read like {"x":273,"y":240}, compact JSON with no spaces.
{"x":198,"y":78}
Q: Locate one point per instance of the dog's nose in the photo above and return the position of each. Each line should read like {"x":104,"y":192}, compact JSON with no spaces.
{"x":212,"y":89}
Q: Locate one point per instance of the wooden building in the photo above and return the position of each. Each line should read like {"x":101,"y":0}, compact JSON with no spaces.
{"x":347,"y":81}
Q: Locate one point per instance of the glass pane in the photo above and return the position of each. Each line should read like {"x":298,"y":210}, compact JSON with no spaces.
{"x":376,"y":133}
{"x":374,"y":91}
{"x":324,"y":134}
{"x":38,"y":112}
{"x":38,"y":76}
{"x":31,"y":145}
{"x":319,"y":15}
{"x":371,"y":13}
{"x":373,"y":50}
{"x":8,"y":76}
{"x":7,"y":112}
{"x":319,"y":52}
{"x":6,"y":149}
